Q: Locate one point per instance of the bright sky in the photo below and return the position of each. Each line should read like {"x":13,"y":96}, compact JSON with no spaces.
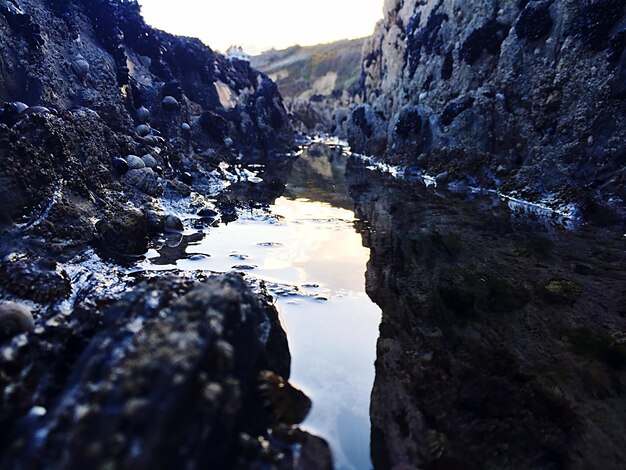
{"x":258,"y":25}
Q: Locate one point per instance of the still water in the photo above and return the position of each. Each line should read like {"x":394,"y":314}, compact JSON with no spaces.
{"x":307,"y":250}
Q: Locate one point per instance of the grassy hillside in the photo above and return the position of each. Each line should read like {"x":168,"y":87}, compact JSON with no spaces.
{"x":324,"y":69}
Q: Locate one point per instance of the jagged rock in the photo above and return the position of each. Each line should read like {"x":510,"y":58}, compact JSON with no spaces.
{"x":508,"y":82}
{"x":170,"y":377}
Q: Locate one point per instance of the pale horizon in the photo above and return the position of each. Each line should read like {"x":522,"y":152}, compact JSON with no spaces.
{"x":256,"y":26}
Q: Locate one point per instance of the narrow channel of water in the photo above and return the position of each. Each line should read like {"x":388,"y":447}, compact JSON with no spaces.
{"x":309,"y":253}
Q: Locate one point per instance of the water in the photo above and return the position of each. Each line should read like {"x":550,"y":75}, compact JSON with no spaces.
{"x":311,"y":256}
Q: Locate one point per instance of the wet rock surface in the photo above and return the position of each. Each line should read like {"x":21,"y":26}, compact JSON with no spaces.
{"x":526,"y":97}
{"x":502,"y":343}
{"x":170,"y":373}
{"x":112,"y":136}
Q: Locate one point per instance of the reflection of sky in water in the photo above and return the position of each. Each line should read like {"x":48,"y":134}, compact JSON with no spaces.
{"x":313,"y":246}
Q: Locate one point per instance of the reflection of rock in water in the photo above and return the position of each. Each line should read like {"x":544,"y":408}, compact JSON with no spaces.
{"x":502,"y":343}
{"x":319,"y":175}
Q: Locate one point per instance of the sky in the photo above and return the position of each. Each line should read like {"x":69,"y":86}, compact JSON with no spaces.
{"x":258,"y":25}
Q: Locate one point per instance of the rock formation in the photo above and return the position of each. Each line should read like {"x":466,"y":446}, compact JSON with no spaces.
{"x":318,"y":83}
{"x":502,"y":338}
{"x":523,"y":96}
{"x":105,"y":122}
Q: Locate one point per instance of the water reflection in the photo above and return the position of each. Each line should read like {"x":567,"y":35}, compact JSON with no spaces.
{"x":503,"y":339}
{"x":307,"y":250}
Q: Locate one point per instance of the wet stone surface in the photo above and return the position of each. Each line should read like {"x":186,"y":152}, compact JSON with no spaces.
{"x":503,"y":339}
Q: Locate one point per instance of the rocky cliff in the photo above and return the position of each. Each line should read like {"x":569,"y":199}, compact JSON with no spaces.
{"x":319,"y":83}
{"x":523,"y":96}
{"x":107,"y":127}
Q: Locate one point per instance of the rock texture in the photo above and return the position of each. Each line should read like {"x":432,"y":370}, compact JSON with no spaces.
{"x":523,"y":96}
{"x":168,"y":374}
{"x":502,"y":343}
{"x":86,"y":86}
{"x":106,"y":125}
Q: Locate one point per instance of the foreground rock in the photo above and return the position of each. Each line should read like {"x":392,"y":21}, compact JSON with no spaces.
{"x":502,"y":343}
{"x":170,"y":373}
{"x":525,"y":96}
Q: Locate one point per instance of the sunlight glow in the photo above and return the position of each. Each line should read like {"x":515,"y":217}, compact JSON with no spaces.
{"x":260,"y":25}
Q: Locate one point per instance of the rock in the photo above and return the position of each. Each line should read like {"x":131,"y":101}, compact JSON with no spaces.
{"x":562,"y":291}
{"x":124,"y":232}
{"x":164,"y":350}
{"x":185,"y":127}
{"x":460,"y":66}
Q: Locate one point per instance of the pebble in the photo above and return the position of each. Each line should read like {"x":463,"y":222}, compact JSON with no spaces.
{"x":185,"y":127}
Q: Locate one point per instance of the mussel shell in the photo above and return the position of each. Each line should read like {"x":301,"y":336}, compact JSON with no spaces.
{"x":186,"y":178}
{"x":37,"y":110}
{"x":40,"y":280}
{"x":15,"y":107}
{"x":120,"y":166}
{"x":173,"y":224}
{"x":15,"y":319}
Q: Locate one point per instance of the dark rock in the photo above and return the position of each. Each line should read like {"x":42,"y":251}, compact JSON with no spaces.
{"x":535,"y":21}
{"x":487,"y":38}
{"x":594,"y":22}
{"x":186,"y":178}
{"x":164,"y":350}
{"x":125,"y":232}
